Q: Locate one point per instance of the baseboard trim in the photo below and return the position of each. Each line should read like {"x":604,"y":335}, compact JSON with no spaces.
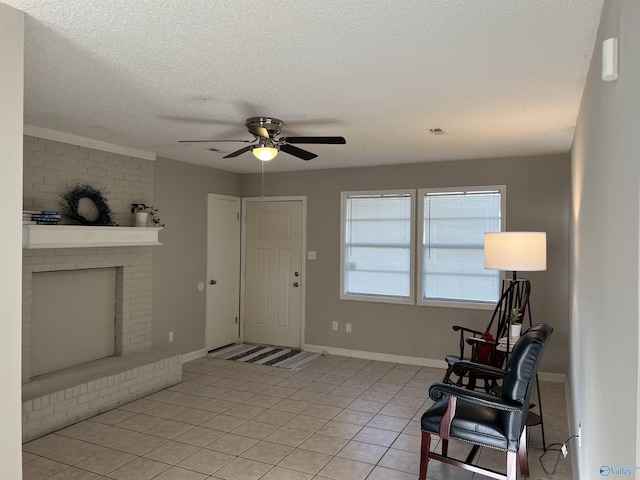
{"x":553,"y":377}
{"x":380,"y":357}
{"x":407,"y":360}
{"x":188,"y":357}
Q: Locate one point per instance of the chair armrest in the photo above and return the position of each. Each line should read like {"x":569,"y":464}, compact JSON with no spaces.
{"x":437,"y":391}
{"x":465,"y":366}
{"x":465,"y":329}
{"x":474,"y":341}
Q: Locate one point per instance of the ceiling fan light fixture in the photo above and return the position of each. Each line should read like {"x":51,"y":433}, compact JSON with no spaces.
{"x":265,"y":153}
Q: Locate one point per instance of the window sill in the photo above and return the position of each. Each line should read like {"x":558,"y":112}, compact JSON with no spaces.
{"x":365,"y":298}
{"x":458,"y":304}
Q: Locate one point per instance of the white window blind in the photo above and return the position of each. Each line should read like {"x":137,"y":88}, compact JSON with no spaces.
{"x":454,"y":223}
{"x":377,"y":245}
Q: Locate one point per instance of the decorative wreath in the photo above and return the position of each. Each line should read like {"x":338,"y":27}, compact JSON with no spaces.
{"x":72,"y":199}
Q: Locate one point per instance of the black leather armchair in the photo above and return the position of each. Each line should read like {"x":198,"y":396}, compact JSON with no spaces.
{"x":483,"y":419}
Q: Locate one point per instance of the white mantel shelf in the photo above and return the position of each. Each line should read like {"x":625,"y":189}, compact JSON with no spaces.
{"x":80,"y":236}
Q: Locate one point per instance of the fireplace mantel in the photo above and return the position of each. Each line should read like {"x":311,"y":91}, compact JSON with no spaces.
{"x":79,"y":236}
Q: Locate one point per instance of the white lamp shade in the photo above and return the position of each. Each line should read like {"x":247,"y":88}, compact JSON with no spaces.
{"x":515,"y":251}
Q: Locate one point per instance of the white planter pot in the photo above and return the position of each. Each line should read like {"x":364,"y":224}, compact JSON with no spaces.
{"x":140,"y":219}
{"x":514,"y":330}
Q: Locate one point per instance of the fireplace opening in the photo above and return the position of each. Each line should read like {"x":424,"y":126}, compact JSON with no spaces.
{"x":72,"y":318}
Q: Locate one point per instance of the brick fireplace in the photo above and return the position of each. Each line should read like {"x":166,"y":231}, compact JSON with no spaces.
{"x":60,"y":398}
{"x":133,"y":291}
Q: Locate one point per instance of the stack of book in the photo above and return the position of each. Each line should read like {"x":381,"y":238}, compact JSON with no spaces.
{"x":511,"y":340}
{"x":502,"y":343}
{"x":40,"y":217}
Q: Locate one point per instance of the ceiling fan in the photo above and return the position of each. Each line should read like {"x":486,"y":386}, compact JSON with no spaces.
{"x":267,"y":142}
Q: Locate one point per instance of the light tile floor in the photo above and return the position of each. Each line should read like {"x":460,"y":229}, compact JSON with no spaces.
{"x":336,"y":418}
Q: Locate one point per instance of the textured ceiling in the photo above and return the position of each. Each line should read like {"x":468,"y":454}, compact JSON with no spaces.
{"x":500,"y":77}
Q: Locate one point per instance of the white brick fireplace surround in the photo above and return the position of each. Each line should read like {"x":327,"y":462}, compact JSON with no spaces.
{"x":57,"y":399}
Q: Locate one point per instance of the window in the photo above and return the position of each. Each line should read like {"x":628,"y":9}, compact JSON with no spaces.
{"x":451,"y":261}
{"x":377,"y":246}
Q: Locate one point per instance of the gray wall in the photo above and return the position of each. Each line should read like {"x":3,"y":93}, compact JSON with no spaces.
{"x":180,"y":194}
{"x":537,"y":199}
{"x":604,"y":254}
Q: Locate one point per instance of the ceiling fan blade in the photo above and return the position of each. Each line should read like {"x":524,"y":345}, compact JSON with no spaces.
{"x":327,"y":140}
{"x":297,"y":152}
{"x":239,"y":152}
{"x":211,"y":141}
{"x":258,"y":131}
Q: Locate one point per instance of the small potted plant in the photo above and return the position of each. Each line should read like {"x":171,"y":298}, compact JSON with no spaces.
{"x":142,"y":213}
{"x":515,"y":321}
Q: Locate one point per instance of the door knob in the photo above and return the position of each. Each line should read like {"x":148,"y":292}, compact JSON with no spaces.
{"x":213,"y":282}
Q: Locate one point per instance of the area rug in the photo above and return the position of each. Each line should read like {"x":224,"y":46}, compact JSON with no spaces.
{"x":281,"y":357}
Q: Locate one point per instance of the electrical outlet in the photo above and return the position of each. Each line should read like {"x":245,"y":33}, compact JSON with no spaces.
{"x":579,"y":435}
{"x":334,"y":326}
{"x":170,"y":336}
{"x":347,"y":327}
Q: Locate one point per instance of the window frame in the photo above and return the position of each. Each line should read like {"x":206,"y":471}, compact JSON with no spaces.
{"x":344,"y":196}
{"x":419,"y":244}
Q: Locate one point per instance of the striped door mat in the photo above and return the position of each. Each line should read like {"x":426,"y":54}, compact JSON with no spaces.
{"x":259,"y":354}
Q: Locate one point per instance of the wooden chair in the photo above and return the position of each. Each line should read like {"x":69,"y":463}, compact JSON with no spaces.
{"x":485,"y":420}
{"x":483,"y":345}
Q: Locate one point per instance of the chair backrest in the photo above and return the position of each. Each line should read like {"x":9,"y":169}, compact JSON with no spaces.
{"x":517,"y":384}
{"x":515,"y":295}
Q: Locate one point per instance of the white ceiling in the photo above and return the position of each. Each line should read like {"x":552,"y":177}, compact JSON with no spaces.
{"x":500,"y":77}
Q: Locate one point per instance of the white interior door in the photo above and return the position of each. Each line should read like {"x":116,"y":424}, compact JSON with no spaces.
{"x":273,"y":272}
{"x":223,"y":271}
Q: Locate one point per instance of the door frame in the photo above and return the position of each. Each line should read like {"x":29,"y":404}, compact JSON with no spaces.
{"x":303,"y":253}
{"x":240,"y":336}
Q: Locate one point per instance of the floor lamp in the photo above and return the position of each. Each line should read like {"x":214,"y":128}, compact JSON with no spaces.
{"x":517,"y":252}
